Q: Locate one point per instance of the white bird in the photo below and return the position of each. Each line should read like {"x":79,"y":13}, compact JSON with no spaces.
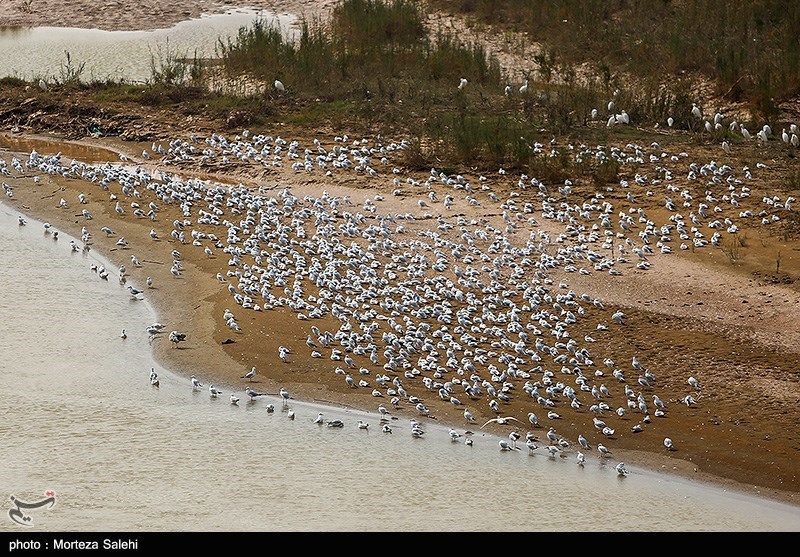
{"x":123,"y":334}
{"x":285,"y":396}
{"x":506,"y":446}
{"x":252,"y":393}
{"x":279,"y":86}
{"x":175,"y":337}
{"x":335,"y":423}
{"x":468,"y":416}
{"x":603,"y":450}
{"x":580,"y":458}
{"x":500,"y":420}
{"x":234,"y":399}
{"x":668,"y":443}
{"x":362,"y":425}
{"x":462,"y":83}
{"x":621,"y":470}
{"x":213,"y":391}
{"x":250,"y":374}
{"x":693,"y":383}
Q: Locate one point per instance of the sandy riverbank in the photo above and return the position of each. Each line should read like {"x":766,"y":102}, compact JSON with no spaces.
{"x":745,"y":411}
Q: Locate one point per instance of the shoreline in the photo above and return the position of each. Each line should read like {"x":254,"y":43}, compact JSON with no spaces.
{"x":194,"y":309}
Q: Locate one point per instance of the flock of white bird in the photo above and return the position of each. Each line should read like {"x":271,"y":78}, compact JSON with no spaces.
{"x":429,"y":305}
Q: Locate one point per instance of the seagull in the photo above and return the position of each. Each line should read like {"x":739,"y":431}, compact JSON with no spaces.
{"x":154,"y":378}
{"x":506,"y":446}
{"x":270,"y":408}
{"x":320,"y":419}
{"x":468,"y":416}
{"x":134,"y":292}
{"x":362,"y":425}
{"x":234,"y":399}
{"x":532,"y":446}
{"x":175,"y":337}
{"x":621,"y":470}
{"x":580,"y":458}
{"x":285,"y":396}
{"x":213,"y":391}
{"x":386,"y":428}
{"x":693,"y":383}
{"x":454,"y":435}
{"x":603,"y":450}
{"x":500,"y":420}
{"x":250,"y":374}
{"x":196,"y":384}
{"x":335,"y":423}
{"x":123,"y":334}
{"x":252,"y":394}
{"x":668,"y":443}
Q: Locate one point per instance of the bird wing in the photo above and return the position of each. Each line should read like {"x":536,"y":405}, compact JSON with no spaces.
{"x":487,"y":423}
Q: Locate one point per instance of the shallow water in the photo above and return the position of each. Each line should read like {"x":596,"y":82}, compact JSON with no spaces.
{"x":34,"y":52}
{"x":81,"y":419}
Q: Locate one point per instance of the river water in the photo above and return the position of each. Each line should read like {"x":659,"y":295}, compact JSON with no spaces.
{"x":82,"y":420}
{"x":41,"y":52}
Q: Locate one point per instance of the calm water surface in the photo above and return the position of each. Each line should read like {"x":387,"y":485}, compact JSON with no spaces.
{"x":81,"y":419}
{"x":34,"y":52}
